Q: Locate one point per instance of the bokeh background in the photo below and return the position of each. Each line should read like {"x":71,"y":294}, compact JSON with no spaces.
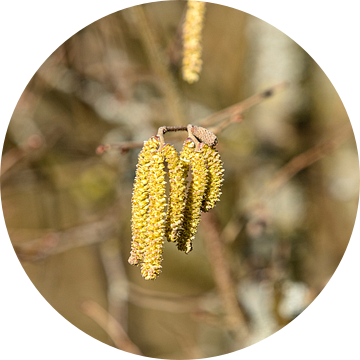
{"x":261,"y":256}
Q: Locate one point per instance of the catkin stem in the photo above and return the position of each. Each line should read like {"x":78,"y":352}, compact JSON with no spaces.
{"x":164,"y":129}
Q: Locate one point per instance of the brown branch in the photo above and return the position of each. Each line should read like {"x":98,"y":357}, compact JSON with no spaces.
{"x":234,"y":318}
{"x":117,"y":283}
{"x":11,"y":157}
{"x":288,"y":171}
{"x":55,"y":243}
{"x":164,"y":129}
{"x":110,"y":325}
{"x":306,"y":159}
{"x":242,"y":106}
{"x":225,"y":123}
{"x":164,"y":301}
{"x":158,"y":63}
{"x":225,"y":118}
{"x":122,"y":147}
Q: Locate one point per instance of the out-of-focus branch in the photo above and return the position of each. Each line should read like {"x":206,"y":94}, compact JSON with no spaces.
{"x":306,"y":159}
{"x":164,"y":301}
{"x":224,"y":118}
{"x":110,"y":325}
{"x":14,"y":155}
{"x":122,"y":147}
{"x":224,"y":124}
{"x":240,"y":107}
{"x":294,"y":166}
{"x":59,"y":242}
{"x":158,"y":63}
{"x":117,"y":283}
{"x":234,"y":318}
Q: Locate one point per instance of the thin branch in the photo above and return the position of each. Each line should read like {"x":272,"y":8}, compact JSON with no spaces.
{"x":234,"y":318}
{"x":164,"y":301}
{"x":164,"y":129}
{"x":55,"y":243}
{"x":305,"y":159}
{"x":240,"y":107}
{"x":110,"y":325}
{"x":288,"y":171}
{"x":117,"y":283}
{"x":224,"y":124}
{"x":122,"y":147}
{"x":225,"y":118}
{"x":158,"y":63}
{"x":11,"y":157}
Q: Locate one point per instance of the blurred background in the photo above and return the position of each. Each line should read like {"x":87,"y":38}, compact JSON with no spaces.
{"x":261,"y":256}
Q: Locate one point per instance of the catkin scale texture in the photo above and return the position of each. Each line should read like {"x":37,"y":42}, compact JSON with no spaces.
{"x":195,"y":195}
{"x":216,"y":174}
{"x":151,"y":265}
{"x":140,"y":201}
{"x":177,"y":198}
{"x":152,"y":219}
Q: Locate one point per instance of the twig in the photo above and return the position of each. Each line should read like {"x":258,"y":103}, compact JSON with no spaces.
{"x":234,"y":317}
{"x":117,"y":283}
{"x":240,"y":107}
{"x":122,"y":147}
{"x":288,"y":171}
{"x":110,"y":325}
{"x":225,"y":118}
{"x":164,"y":129}
{"x":224,"y":124}
{"x":55,"y":243}
{"x":164,"y":301}
{"x":305,"y":159}
{"x":158,"y":63}
{"x":11,"y":157}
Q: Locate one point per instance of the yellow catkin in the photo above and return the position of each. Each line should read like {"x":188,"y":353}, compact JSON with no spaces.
{"x":176,"y":206}
{"x":151,"y":265}
{"x":140,"y":201}
{"x":216,"y":177}
{"x":195,"y":195}
{"x":192,"y":36}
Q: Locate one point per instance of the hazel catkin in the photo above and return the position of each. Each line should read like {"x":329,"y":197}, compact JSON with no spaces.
{"x":140,"y":201}
{"x":151,"y":265}
{"x":152,"y":219}
{"x":177,"y":198}
{"x":216,"y":173}
{"x":195,"y":195}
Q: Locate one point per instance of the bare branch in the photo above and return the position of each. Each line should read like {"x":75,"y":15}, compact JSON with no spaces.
{"x":158,"y":63}
{"x":234,"y":318}
{"x":110,"y":325}
{"x":11,"y":157}
{"x":122,"y":147}
{"x":242,"y":106}
{"x":224,"y":124}
{"x":224,"y":118}
{"x":117,"y":284}
{"x":164,"y":301}
{"x":55,"y":243}
{"x":288,"y":171}
{"x":306,"y":159}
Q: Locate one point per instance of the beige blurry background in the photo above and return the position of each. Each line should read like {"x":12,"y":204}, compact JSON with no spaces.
{"x":68,"y":210}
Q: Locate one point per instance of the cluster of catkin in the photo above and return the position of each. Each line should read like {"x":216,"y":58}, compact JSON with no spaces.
{"x":153,"y":219}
